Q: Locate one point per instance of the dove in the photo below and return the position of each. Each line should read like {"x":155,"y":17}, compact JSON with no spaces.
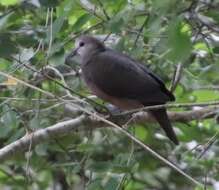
{"x":122,"y":81}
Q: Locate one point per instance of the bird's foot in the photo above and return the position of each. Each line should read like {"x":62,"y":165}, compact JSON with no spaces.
{"x":108,"y":112}
{"x":101,"y":110}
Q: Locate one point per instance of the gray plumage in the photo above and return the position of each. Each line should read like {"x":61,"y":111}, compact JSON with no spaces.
{"x":122,"y":81}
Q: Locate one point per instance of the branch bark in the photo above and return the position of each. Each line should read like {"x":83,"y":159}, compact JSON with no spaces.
{"x":39,"y":136}
{"x":63,"y":128}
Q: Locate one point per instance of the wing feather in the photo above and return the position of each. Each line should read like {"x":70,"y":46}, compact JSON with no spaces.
{"x":120,"y":76}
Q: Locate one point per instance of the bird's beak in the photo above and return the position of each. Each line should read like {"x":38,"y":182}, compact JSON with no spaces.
{"x":72,"y":53}
{"x":68,"y":58}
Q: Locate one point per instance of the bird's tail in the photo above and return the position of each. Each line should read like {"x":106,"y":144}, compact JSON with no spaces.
{"x":161,"y":116}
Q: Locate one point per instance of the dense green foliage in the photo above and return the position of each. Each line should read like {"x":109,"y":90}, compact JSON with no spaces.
{"x":160,"y":33}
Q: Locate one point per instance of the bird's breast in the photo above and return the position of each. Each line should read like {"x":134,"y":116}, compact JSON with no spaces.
{"x":122,"y":103}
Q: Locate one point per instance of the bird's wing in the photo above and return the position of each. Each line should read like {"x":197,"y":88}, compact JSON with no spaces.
{"x":159,"y":81}
{"x":120,"y":76}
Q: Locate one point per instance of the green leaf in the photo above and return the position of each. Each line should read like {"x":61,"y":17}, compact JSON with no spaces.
{"x":9,"y":117}
{"x":201,"y":46}
{"x":4,"y":131}
{"x":179,"y":41}
{"x":49,"y":3}
{"x":216,"y":49}
{"x":213,"y":14}
{"x":115,"y":24}
{"x":81,"y":21}
{"x":9,"y":2}
{"x":141,"y":133}
{"x":66,"y":7}
{"x":9,"y":120}
{"x":56,"y":27}
{"x":4,"y":20}
{"x":35,"y":123}
{"x":100,"y":166}
{"x":120,"y":169}
{"x":85,"y":147}
{"x":41,"y":150}
{"x":9,"y":46}
{"x":4,"y":65}
{"x":95,"y":185}
{"x":205,"y":95}
{"x":57,"y":58}
{"x":111,"y":184}
{"x":163,"y":6}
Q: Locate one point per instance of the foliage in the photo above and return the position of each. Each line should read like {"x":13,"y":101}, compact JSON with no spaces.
{"x":161,"y":34}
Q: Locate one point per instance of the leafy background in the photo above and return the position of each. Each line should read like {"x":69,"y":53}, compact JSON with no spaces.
{"x":165,"y":35}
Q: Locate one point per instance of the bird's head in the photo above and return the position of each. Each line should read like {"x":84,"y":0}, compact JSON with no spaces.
{"x":86,"y":46}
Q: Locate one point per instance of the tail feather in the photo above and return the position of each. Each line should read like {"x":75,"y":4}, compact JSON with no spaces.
{"x":161,"y":116}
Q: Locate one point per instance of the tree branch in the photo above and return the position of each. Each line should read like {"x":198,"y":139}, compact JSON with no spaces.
{"x":65,"y":127}
{"x":39,"y":136}
{"x":21,"y":142}
{"x":186,"y":116}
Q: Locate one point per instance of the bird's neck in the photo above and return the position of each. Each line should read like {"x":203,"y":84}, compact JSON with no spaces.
{"x":86,"y":58}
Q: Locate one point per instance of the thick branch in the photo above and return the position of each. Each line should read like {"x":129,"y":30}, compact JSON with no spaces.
{"x":34,"y":138}
{"x":65,"y":127}
{"x":185,"y":116}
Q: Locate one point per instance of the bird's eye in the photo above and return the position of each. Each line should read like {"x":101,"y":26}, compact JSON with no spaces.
{"x":81,"y":44}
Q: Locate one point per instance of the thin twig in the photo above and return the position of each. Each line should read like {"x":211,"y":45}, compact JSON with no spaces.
{"x":51,"y":33}
{"x":140,"y":30}
{"x":91,"y":10}
{"x":40,"y":135}
{"x":26,"y":99}
{"x":123,"y":131}
{"x":27,"y":168}
{"x":42,"y":72}
{"x":208,"y":145}
{"x":177,"y":76}
{"x":170,"y":105}
{"x":104,"y":10}
{"x":210,"y":87}
{"x":123,"y":178}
